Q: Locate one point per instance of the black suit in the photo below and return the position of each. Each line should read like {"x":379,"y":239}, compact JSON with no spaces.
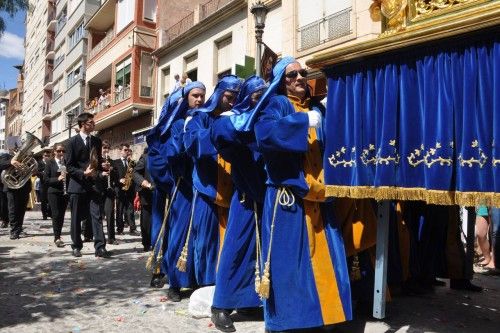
{"x":141,"y":173}
{"x":85,"y":197}
{"x":17,"y":199}
{"x":58,"y":202}
{"x":125,"y":200}
{"x":44,"y":204}
{"x":107,"y":186}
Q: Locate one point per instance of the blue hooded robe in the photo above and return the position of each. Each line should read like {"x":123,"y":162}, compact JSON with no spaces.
{"x":309,"y":280}
{"x":211,"y":184}
{"x":235,"y":280}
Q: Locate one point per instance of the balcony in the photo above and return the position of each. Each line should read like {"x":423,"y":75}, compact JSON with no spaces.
{"x":122,"y":95}
{"x":326,"y":29}
{"x":48,"y":80}
{"x":104,"y":17}
{"x":178,"y":29}
{"x":102,"y":44}
{"x":51,"y":18}
{"x":211,"y":7}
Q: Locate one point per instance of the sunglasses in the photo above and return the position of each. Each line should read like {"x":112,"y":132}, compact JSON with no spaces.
{"x":293,"y":74}
{"x":60,"y":150}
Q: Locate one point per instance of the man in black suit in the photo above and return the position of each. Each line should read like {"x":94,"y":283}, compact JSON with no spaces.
{"x":17,"y":199}
{"x":108,"y":182}
{"x":44,"y":203}
{"x":144,"y":186}
{"x":84,"y":196}
{"x":56,"y":182}
{"x":125,"y":198}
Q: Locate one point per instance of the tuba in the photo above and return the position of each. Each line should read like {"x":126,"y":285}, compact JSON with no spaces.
{"x":15,"y":178}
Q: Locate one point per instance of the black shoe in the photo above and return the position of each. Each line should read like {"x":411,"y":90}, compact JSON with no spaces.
{"x":174,"y":294}
{"x":257,"y":312}
{"x":14,"y":236}
{"x":76,"y":253}
{"x":157,"y":281}
{"x":102,"y":253}
{"x":44,"y":218}
{"x":464,"y":284}
{"x":113,"y":242}
{"x":119,"y":232}
{"x":133,"y":232}
{"x":5,"y":224}
{"x":87,"y":240}
{"x":222,"y":321}
{"x":438,"y":283}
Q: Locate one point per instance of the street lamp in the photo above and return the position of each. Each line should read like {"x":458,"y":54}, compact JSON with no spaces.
{"x":259,"y":11}
{"x":70,"y":116}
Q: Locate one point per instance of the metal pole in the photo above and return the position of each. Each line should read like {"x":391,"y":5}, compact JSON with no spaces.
{"x":257,"y":58}
{"x":380,"y":285}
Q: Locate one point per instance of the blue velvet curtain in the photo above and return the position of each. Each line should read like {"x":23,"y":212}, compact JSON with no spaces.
{"x":418,"y":124}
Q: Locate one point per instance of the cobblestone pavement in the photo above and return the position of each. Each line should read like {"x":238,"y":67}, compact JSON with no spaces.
{"x":44,"y":289}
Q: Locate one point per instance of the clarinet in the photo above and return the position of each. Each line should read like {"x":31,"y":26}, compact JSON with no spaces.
{"x":62,"y":170}
{"x":109,"y":172}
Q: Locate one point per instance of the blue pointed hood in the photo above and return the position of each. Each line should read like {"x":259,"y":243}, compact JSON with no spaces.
{"x":245,"y":123}
{"x":228,"y":82}
{"x":251,"y":85}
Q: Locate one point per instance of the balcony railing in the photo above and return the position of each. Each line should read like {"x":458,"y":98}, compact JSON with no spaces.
{"x":46,"y":110}
{"x":48,"y":78}
{"x":211,"y":7}
{"x":178,"y":29}
{"x":102,"y":44}
{"x":122,"y":95}
{"x":325,"y":29}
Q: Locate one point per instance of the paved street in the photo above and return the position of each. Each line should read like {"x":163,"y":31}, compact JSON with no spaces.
{"x":45,"y":289}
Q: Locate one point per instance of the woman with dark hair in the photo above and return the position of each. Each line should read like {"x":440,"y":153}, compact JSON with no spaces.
{"x":56,"y":181}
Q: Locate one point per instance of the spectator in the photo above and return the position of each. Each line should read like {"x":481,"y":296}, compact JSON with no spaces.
{"x":38,"y":189}
{"x":177,"y":85}
{"x":482,"y":227}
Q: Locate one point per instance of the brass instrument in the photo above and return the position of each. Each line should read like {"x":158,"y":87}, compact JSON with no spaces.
{"x":128,"y":175}
{"x":64,"y":172}
{"x":15,"y":178}
{"x":108,"y":160}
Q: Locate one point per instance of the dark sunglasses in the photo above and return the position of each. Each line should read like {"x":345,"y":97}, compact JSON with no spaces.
{"x":60,"y":150}
{"x":295,"y":73}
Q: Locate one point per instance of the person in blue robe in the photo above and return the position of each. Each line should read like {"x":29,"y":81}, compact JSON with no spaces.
{"x":180,"y":167}
{"x":235,"y":278}
{"x":305,"y":280}
{"x":211,"y":181}
{"x":160,"y":175}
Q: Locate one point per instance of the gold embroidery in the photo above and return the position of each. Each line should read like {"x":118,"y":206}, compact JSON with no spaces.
{"x":369,"y":157}
{"x":481,"y":161}
{"x":430,"y":157}
{"x":344,"y":162}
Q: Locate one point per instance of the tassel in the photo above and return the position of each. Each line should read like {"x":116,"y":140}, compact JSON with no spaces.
{"x":182,"y":262}
{"x":265,"y":284}
{"x":149,"y":262}
{"x":257,"y":279}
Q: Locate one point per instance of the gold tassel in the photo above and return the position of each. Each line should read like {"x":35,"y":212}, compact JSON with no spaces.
{"x":257,"y":279}
{"x":265,"y":284}
{"x":257,"y":250}
{"x":149,"y":262}
{"x":158,"y":264}
{"x":182,"y":262}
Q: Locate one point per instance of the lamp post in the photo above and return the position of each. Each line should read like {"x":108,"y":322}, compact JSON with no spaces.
{"x":259,"y":11}
{"x":70,"y":116}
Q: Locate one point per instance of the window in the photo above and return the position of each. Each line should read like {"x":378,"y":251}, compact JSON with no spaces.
{"x":191,"y":66}
{"x":125,"y":13}
{"x":75,"y":36}
{"x":74,"y":74}
{"x":56,"y":124}
{"x":150,"y":10}
{"x":122,"y":80}
{"x":224,"y":58}
{"x":57,"y":89}
{"x":165,"y":83}
{"x":146,"y":75}
{"x":322,"y":20}
{"x":61,"y":20}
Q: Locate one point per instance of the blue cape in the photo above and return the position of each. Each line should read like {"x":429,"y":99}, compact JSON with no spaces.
{"x":245,"y":124}
{"x":251,"y":85}
{"x":228,"y":82}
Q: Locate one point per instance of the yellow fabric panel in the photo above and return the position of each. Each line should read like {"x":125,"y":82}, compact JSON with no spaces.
{"x":323,"y":271}
{"x":224,"y":183}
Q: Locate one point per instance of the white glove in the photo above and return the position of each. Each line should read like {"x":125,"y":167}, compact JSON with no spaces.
{"x":314,"y":118}
{"x":188,"y":118}
{"x":227,"y":113}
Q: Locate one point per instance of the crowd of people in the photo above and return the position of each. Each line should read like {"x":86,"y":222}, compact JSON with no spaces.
{"x":232,"y":195}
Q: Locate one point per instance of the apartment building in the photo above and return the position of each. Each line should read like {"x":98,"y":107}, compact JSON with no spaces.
{"x":69,"y":55}
{"x":14,"y":116}
{"x":218,"y":37}
{"x":119,"y":86}
{"x":38,"y":66}
{"x":4,"y":105}
{"x":206,"y":44}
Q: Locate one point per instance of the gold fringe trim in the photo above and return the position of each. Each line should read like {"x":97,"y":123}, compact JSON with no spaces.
{"x":436,"y":197}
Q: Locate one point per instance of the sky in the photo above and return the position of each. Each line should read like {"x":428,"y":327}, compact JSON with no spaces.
{"x":11,"y":49}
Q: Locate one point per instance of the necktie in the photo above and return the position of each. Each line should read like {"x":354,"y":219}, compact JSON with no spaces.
{"x":87,"y":142}
{"x":125,"y":162}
